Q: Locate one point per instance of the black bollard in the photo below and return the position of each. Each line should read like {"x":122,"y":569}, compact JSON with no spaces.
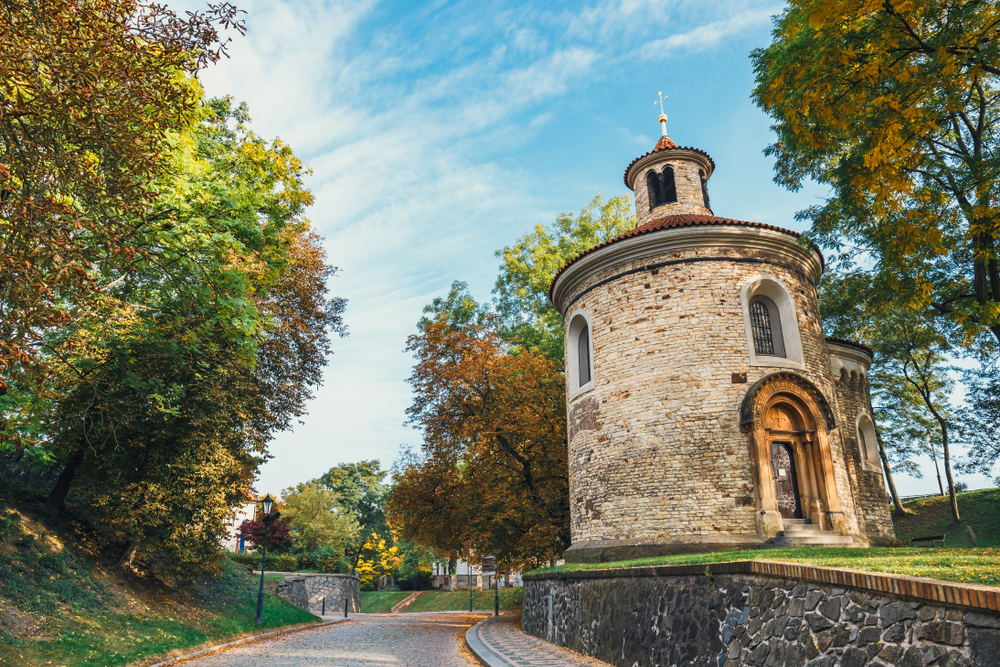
{"x":345,"y":607}
{"x":322,"y":613}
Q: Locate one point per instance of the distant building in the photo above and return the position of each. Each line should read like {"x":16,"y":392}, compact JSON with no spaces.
{"x":230,"y":541}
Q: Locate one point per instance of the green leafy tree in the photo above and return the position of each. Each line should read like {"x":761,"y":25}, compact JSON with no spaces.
{"x":315,"y":518}
{"x":198,"y":352}
{"x":360,"y":489}
{"x":894,"y":104}
{"x":528,"y":267}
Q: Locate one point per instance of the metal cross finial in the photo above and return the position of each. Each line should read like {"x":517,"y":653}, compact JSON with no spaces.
{"x":663,"y":116}
{"x":660,"y":101}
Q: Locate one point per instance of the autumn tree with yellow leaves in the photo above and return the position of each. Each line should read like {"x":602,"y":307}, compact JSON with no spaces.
{"x":894,"y":104}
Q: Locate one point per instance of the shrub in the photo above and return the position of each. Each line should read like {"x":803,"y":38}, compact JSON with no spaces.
{"x":275,"y":562}
{"x":415,"y":580}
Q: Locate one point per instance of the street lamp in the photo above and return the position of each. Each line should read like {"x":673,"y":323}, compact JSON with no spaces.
{"x":266,"y":505}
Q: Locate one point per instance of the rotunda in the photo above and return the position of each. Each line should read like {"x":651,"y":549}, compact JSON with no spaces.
{"x":706,"y":409}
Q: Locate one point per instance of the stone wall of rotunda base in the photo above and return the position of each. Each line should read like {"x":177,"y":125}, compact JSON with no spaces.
{"x":603,"y":551}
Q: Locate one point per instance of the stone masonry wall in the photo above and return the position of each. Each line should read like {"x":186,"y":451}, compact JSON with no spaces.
{"x":316,"y":586}
{"x":868,"y":485}
{"x":732,"y":620}
{"x":673,"y":464}
{"x":689,"y":195}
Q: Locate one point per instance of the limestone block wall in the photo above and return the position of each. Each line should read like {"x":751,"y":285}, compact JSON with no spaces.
{"x":655,"y":449}
{"x":764,"y":614}
{"x":868,"y":485}
{"x":689,"y":194}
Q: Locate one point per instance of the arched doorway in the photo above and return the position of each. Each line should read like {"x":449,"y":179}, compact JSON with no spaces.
{"x":788,"y":422}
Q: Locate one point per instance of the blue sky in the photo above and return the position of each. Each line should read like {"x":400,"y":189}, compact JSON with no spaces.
{"x":440,"y":132}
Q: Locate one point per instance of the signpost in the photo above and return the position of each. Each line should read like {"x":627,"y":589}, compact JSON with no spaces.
{"x":490,"y":568}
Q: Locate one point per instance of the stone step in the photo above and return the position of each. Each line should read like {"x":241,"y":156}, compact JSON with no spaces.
{"x":822,"y":539}
{"x":802,"y":527}
{"x":799,"y":521}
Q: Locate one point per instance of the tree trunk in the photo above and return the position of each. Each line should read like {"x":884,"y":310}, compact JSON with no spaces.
{"x":947,"y":468}
{"x":54,"y":504}
{"x":888,"y":476}
{"x":126,"y":554}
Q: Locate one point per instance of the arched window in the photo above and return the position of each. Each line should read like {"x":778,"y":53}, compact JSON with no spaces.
{"x":765,"y":322}
{"x":669,"y":187}
{"x":868,"y":443}
{"x":583,"y":355}
{"x":771,"y":323}
{"x":653,"y":188}
{"x":579,"y":355}
{"x":704,"y":189}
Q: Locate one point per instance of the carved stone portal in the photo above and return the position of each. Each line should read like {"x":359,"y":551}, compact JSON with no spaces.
{"x":788,"y":426}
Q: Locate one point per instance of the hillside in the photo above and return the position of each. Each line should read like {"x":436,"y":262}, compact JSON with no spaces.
{"x":62,"y":604}
{"x":979,"y":509}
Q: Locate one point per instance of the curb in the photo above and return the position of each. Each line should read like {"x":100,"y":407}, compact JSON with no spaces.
{"x":245,"y":640}
{"x":479,"y":649}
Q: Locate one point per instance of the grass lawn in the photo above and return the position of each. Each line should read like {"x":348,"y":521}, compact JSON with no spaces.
{"x":977,"y":566}
{"x":381,"y":602}
{"x":510,"y":598}
{"x":979,"y":509}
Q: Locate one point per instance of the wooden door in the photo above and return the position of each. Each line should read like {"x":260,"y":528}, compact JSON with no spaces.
{"x":786,"y":488}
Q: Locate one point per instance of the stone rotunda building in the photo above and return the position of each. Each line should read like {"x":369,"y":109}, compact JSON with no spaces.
{"x":706,"y":409}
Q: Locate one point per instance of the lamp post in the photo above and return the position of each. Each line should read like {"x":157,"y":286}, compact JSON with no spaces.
{"x":266,"y":505}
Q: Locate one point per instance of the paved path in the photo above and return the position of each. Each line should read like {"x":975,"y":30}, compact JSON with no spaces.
{"x":507,"y":646}
{"x":407,"y":640}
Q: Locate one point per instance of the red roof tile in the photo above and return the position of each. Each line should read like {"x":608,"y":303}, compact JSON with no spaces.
{"x":851,"y":343}
{"x":667,"y":144}
{"x":673,"y":222}
{"x":664,"y":143}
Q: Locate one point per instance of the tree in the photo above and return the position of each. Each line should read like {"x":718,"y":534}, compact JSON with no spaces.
{"x":981,"y":423}
{"x":492,"y":475}
{"x":203,"y":348}
{"x":315,"y":518}
{"x":90,"y":93}
{"x":279,"y":533}
{"x":378,"y":558}
{"x":894,"y":105}
{"x":359,"y":489}
{"x":528,"y":267}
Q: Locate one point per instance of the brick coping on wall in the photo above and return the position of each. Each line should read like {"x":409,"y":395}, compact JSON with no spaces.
{"x":969,"y":596}
{"x":309,"y":574}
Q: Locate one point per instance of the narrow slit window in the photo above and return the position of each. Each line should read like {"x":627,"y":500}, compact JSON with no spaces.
{"x":653,"y":188}
{"x":669,"y":186}
{"x":704,"y":189}
{"x":583,"y":349}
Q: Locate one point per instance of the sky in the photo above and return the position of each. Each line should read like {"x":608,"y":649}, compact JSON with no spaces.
{"x":439,"y":132}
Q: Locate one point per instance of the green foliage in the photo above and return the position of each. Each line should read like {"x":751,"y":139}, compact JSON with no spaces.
{"x":316,"y":518}
{"x":528,"y":267}
{"x":415,"y":572}
{"x":360,"y":489}
{"x":275,"y":562}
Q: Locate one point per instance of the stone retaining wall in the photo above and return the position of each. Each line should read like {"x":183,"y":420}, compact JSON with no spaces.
{"x":761,"y":613}
{"x":315,"y":587}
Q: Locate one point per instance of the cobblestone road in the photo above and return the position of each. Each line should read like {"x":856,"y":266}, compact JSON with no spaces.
{"x":409,"y":640}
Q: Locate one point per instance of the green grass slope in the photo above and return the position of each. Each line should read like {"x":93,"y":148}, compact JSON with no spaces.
{"x":381,"y":602}
{"x":932,"y":516}
{"x":60,"y":605}
{"x":510,"y":598}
